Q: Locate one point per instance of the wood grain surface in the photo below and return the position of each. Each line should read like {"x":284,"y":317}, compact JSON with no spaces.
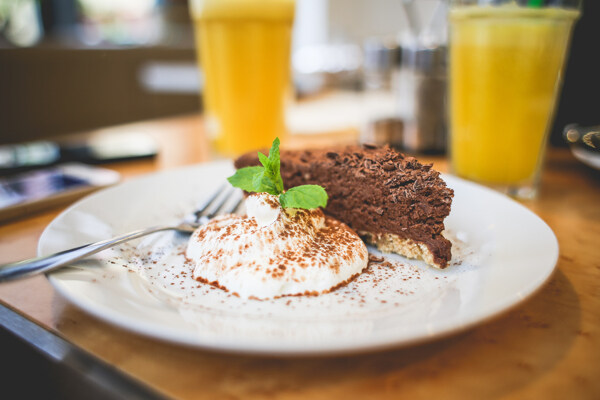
{"x":546,"y":348}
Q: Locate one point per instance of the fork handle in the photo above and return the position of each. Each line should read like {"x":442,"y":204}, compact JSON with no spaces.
{"x":38,"y":265}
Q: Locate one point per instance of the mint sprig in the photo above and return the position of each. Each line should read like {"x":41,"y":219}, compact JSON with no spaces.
{"x":268,"y":179}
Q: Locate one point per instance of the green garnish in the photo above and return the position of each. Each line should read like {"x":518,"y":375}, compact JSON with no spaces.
{"x":305,"y":196}
{"x":268,"y":179}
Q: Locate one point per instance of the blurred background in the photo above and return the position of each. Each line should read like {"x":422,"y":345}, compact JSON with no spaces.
{"x":68,"y":66}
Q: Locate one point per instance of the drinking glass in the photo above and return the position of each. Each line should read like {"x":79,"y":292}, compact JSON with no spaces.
{"x":243,"y":48}
{"x":505,"y":70}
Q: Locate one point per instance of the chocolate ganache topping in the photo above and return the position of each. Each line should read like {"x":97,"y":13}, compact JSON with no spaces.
{"x":375,"y":191}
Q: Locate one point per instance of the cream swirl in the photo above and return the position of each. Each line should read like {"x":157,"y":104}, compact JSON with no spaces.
{"x":274,"y":252}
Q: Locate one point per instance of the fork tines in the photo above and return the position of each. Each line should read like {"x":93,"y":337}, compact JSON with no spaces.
{"x":226,"y":200}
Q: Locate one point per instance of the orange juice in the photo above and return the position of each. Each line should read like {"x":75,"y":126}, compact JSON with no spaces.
{"x":505,"y":73}
{"x":244,"y":51}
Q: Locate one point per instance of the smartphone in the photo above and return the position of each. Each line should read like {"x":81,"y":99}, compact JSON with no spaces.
{"x":96,"y":150}
{"x":38,"y":190}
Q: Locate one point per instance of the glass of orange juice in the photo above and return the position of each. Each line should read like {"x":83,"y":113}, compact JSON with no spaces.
{"x":243,"y":48}
{"x":505,"y":67}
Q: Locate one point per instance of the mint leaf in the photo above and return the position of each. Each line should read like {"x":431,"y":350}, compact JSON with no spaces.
{"x":266,"y":162}
{"x":274,"y":157}
{"x":270,"y":179}
{"x":274,"y":152}
{"x":261,"y":179}
{"x":263,"y":182}
{"x":244,"y":178}
{"x":305,"y":196}
{"x":272,"y":165}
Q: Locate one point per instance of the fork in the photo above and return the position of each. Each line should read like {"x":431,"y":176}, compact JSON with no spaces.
{"x":218,"y":203}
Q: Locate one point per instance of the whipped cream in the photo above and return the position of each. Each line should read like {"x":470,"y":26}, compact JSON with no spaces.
{"x":274,"y":252}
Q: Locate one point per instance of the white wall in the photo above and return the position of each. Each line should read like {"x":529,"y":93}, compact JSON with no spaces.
{"x":353,"y":21}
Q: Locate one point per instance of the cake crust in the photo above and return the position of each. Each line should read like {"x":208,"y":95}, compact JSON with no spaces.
{"x":392,"y":201}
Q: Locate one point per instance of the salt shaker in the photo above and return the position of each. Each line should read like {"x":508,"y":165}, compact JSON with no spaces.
{"x":382,"y":125}
{"x":422,"y":86}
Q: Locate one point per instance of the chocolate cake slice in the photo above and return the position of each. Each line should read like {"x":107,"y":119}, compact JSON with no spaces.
{"x":392,"y":201}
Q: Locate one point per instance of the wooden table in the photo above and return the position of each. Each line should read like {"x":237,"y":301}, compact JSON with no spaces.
{"x":548,"y":347}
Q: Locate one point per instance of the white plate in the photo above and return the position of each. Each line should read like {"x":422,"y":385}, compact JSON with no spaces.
{"x":502,"y":253}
